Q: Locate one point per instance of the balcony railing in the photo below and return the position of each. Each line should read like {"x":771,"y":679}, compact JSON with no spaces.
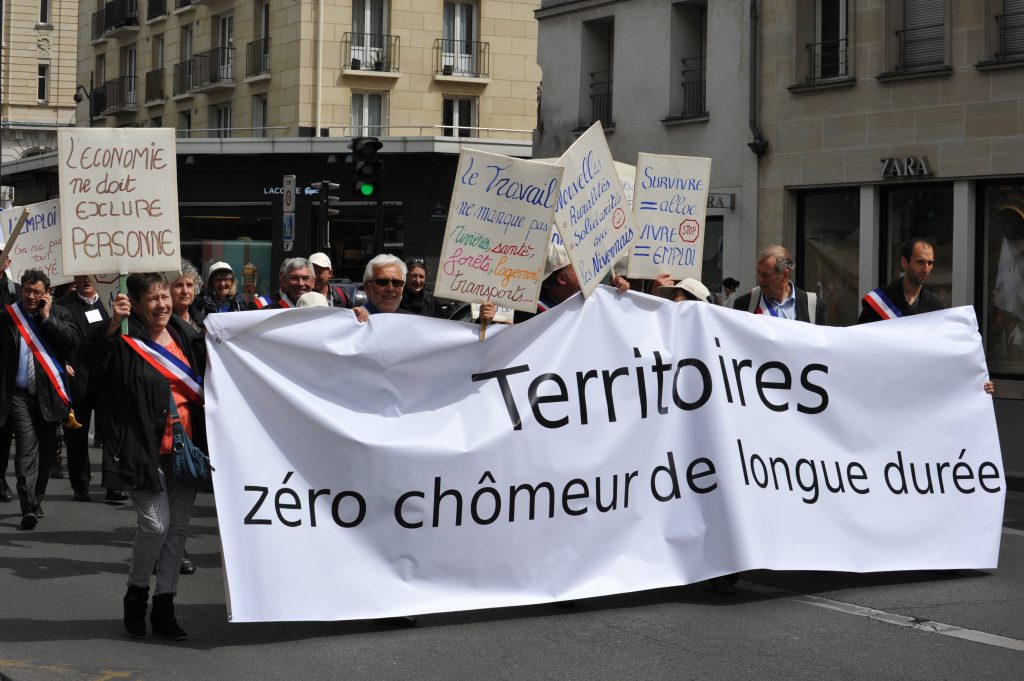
{"x":828,"y":61}
{"x":155,"y":85}
{"x":466,"y":58}
{"x":601,"y":98}
{"x":156,"y":9}
{"x":370,"y":52}
{"x":257,"y":58}
{"x":181,"y":78}
{"x":115,"y":17}
{"x":1011,"y":35}
{"x":922,"y":47}
{"x":120,"y":95}
{"x":694,"y":87}
{"x":213,"y":68}
{"x":182,"y":4}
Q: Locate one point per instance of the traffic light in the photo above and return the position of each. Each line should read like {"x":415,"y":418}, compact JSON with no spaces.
{"x":324,"y":202}
{"x":367,"y":167}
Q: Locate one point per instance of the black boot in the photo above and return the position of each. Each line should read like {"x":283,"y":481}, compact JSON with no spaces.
{"x":162,"y":618}
{"x":135,"y":602}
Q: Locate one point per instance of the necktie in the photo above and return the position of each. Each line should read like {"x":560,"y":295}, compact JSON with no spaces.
{"x":30,"y":372}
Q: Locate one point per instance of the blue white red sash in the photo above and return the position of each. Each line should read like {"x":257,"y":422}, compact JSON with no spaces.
{"x":51,"y":367}
{"x":881,"y":304}
{"x":265,"y":301}
{"x":764,"y":307}
{"x":169,"y":366}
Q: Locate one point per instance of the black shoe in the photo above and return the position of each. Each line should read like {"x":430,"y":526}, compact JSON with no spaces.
{"x":38,"y":512}
{"x":5,"y":493}
{"x":82,"y":496}
{"x":162,"y":618}
{"x":28,"y":521}
{"x":135,"y":602}
{"x":116,"y":495}
{"x":187,"y":566}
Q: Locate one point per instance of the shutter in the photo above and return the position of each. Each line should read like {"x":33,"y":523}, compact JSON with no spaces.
{"x":924,"y":33}
{"x":1011,"y":26}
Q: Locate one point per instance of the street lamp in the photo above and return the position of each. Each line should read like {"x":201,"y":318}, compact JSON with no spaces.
{"x":78,"y":96}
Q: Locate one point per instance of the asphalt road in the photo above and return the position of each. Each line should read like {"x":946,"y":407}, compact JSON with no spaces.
{"x":60,"y":618}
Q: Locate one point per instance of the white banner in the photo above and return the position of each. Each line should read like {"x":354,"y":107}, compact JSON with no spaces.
{"x":625,"y":443}
{"x":671,"y":202}
{"x":592,"y":215}
{"x":38,"y":245}
{"x":498,"y":231}
{"x":119,"y":200}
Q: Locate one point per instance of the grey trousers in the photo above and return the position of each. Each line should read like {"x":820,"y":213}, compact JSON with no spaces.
{"x":34,"y":443}
{"x":163,"y":519}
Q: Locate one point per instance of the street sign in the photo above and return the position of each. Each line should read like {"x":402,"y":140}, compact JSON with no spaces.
{"x":288,"y":230}
{"x":288,"y":195}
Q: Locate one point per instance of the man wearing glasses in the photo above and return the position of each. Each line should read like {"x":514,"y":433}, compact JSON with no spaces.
{"x":295,"y":278}
{"x":383,"y":281}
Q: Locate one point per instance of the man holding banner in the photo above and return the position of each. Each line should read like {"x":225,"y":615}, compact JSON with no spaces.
{"x":35,"y":338}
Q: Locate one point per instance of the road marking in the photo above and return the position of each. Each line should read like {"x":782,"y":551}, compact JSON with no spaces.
{"x":889,"y":618}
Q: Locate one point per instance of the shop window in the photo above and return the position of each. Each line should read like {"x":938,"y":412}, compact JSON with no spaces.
{"x":248,"y":257}
{"x":1002,"y":278}
{"x":926,"y":212}
{"x":828,"y":250}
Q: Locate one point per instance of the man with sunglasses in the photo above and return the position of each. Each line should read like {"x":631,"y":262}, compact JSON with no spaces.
{"x":295,"y":278}
{"x":383,"y":282}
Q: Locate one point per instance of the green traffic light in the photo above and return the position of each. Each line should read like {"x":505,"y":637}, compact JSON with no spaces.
{"x":366,"y":188}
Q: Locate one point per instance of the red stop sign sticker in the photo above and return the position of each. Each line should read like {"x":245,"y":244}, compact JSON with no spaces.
{"x":618,"y":218}
{"x":689,"y":230}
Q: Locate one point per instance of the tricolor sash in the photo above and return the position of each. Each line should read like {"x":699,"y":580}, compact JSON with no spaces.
{"x":265,"y":301}
{"x":764,"y":307}
{"x":169,"y":366}
{"x":881,"y":304}
{"x":51,"y":367}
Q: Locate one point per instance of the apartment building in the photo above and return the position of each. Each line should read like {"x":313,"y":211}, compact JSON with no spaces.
{"x":662,"y":77}
{"x":37,"y":78}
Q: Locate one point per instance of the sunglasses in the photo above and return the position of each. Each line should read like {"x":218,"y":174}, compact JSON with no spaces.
{"x":395,"y":283}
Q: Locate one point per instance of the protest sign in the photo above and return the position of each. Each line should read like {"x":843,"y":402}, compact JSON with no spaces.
{"x":592,"y":214}
{"x":671,"y":198}
{"x":119,"y":200}
{"x":627,"y":175}
{"x":499,"y":227}
{"x":38,"y":247}
{"x":687,"y":442}
{"x":10,"y":234}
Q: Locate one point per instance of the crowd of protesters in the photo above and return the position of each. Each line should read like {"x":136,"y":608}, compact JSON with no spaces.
{"x":67,"y":364}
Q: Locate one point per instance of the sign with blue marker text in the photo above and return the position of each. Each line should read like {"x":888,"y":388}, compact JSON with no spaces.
{"x":498,"y":230}
{"x":38,"y":247}
{"x":593,"y":215}
{"x":670,"y":203}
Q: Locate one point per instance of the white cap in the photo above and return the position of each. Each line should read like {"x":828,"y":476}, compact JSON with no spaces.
{"x":312,"y":299}
{"x":217,"y":266}
{"x":557,"y":259}
{"x":691,"y":286}
{"x":321,"y":260}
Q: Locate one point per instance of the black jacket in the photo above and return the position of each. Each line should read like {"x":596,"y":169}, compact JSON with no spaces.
{"x":205,"y":304}
{"x":137,"y":401}
{"x":421,"y":303}
{"x":926,"y":302}
{"x":802,"y":312}
{"x":80,"y":383}
{"x":60,"y":335}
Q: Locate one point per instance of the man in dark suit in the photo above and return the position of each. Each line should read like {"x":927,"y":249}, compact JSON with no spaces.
{"x":295,"y":278}
{"x":907,"y":295}
{"x":776,"y":294}
{"x":8,"y":295}
{"x":35,"y":338}
{"x":87,"y":312}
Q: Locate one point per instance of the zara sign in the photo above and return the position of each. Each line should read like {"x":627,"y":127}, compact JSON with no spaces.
{"x":906,"y":166}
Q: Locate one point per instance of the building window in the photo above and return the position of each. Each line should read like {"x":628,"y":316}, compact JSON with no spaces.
{"x":156,"y":122}
{"x":369,"y":24}
{"x":921,"y":40}
{"x":44,"y":12}
{"x":43,"y":83}
{"x":920,"y":211}
{"x":828,"y":250}
{"x":689,"y":54}
{"x":368,"y":115}
{"x":459,"y":116}
{"x":220,"y":116}
{"x":1003,"y":277}
{"x":459,"y":46}
{"x":597,"y":59}
{"x":185,"y":124}
{"x":1011,"y":30}
{"x":259,"y":116}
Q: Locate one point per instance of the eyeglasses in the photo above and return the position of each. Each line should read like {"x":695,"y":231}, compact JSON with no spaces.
{"x":395,"y":283}
{"x":416,"y":261}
